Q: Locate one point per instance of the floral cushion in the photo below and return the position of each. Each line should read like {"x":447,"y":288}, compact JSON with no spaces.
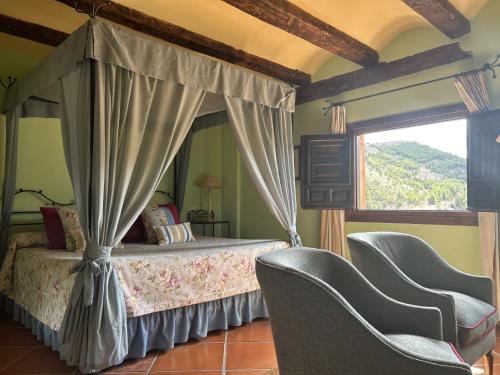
{"x":156,"y":216}
{"x":73,"y":234}
{"x":168,"y":234}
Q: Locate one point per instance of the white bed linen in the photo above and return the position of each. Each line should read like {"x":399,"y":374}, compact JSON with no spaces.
{"x":153,"y":277}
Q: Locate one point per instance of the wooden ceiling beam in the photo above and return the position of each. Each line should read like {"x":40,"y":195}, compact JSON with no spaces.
{"x":292,"y":19}
{"x":382,"y":72}
{"x":31,"y":31}
{"x":171,"y":33}
{"x":443,"y":15}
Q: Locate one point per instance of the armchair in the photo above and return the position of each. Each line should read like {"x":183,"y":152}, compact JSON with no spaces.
{"x":327,"y":318}
{"x":407,"y":269}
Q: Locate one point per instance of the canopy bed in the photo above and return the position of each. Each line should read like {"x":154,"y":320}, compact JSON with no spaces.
{"x":126,"y":104}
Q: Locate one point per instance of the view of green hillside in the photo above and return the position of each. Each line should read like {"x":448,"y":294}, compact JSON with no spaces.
{"x":409,"y":175}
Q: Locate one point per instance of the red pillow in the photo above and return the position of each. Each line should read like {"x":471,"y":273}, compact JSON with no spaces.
{"x":53,"y":227}
{"x":137,"y":232}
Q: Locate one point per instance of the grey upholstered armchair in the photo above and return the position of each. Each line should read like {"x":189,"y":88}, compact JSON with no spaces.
{"x":409,"y":270}
{"x":328,"y":319}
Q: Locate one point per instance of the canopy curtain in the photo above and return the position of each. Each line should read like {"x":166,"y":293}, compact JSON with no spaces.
{"x":9,"y":178}
{"x":264,"y":138}
{"x":121,"y":130}
{"x":332,"y":231}
{"x":472,"y":89}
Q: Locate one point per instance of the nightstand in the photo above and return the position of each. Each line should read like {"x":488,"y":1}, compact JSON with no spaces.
{"x":213,"y":223}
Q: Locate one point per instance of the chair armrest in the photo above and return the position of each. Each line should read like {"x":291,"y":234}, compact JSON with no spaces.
{"x":386,"y":314}
{"x":391,"y":281}
{"x":390,"y":316}
{"x":444,"y":276}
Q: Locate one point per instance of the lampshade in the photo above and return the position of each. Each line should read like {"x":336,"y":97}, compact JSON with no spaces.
{"x":210,"y":182}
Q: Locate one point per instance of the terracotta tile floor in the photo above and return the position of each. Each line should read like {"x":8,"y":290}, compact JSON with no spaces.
{"x":246,"y":350}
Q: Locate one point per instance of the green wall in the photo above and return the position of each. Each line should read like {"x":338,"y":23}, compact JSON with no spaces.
{"x":459,"y":245}
{"x":214,"y":152}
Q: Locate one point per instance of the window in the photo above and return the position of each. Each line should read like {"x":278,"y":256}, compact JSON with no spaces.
{"x":411,"y":168}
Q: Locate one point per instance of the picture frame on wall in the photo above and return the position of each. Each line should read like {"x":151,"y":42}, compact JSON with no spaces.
{"x":296,"y":162}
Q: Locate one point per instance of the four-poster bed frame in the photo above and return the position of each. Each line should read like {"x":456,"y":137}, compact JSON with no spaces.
{"x":126,"y":104}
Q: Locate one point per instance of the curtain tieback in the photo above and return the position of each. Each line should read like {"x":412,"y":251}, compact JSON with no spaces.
{"x":294,"y":239}
{"x":87,"y":269}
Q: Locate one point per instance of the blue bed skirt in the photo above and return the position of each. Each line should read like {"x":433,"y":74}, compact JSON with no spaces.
{"x":162,"y":330}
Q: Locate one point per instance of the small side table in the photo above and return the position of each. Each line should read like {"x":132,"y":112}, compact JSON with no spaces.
{"x":213,"y":223}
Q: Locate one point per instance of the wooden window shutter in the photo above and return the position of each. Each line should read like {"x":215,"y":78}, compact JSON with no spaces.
{"x":326,"y":171}
{"x":483,"y":162}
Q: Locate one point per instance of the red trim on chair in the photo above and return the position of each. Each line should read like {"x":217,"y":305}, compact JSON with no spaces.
{"x":457,"y":354}
{"x":481,"y":321}
{"x":480,"y":337}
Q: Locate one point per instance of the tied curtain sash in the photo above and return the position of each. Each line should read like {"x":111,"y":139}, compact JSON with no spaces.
{"x":332,"y":232}
{"x":472,"y":89}
{"x":121,"y":130}
{"x":264,"y":138}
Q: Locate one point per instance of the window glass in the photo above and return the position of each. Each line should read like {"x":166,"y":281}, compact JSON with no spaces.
{"x":416,"y":168}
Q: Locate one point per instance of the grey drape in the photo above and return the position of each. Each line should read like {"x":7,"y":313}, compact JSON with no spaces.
{"x":117,"y":148}
{"x":9,"y":178}
{"x":264,"y":137}
{"x":472,"y":89}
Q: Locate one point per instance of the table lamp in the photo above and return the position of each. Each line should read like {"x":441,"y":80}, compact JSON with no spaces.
{"x":210,"y":183}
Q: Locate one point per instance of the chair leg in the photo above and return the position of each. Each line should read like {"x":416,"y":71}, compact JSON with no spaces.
{"x":488,"y":362}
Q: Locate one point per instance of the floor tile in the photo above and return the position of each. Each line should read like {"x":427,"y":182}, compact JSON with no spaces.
{"x":250,"y":355}
{"x":216,"y":336}
{"x":193,"y":356}
{"x":18,"y":336}
{"x":39,"y":361}
{"x":258,"y":331}
{"x":246,"y":372}
{"x":187,"y":372}
{"x":9,"y":355}
{"x":140,"y":365}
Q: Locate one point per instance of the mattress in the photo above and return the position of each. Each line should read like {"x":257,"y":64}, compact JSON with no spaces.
{"x":153,"y":277}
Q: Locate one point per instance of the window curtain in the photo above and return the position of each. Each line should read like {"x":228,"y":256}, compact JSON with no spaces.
{"x":120,"y":130}
{"x":9,"y":178}
{"x":264,"y":138}
{"x":332,"y":231}
{"x":472,"y":90}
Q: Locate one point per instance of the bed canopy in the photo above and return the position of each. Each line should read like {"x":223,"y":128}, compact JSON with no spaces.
{"x":126,"y":104}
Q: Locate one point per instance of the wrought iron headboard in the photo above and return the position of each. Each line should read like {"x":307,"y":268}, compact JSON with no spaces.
{"x":53,"y":202}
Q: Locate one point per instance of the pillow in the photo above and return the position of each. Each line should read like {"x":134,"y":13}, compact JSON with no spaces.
{"x":73,"y":234}
{"x":173,"y":210}
{"x":53,"y":228}
{"x":137,"y":232}
{"x":168,"y":234}
{"x":156,"y":216}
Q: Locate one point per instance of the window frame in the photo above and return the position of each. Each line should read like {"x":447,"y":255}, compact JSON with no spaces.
{"x":398,"y":121}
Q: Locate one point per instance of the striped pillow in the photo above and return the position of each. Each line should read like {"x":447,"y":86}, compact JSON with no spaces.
{"x":168,"y":234}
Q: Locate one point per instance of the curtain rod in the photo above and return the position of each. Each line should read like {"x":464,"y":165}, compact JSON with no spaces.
{"x":488,"y":66}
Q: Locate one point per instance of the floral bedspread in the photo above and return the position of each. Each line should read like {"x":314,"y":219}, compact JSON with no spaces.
{"x":153,"y":277}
